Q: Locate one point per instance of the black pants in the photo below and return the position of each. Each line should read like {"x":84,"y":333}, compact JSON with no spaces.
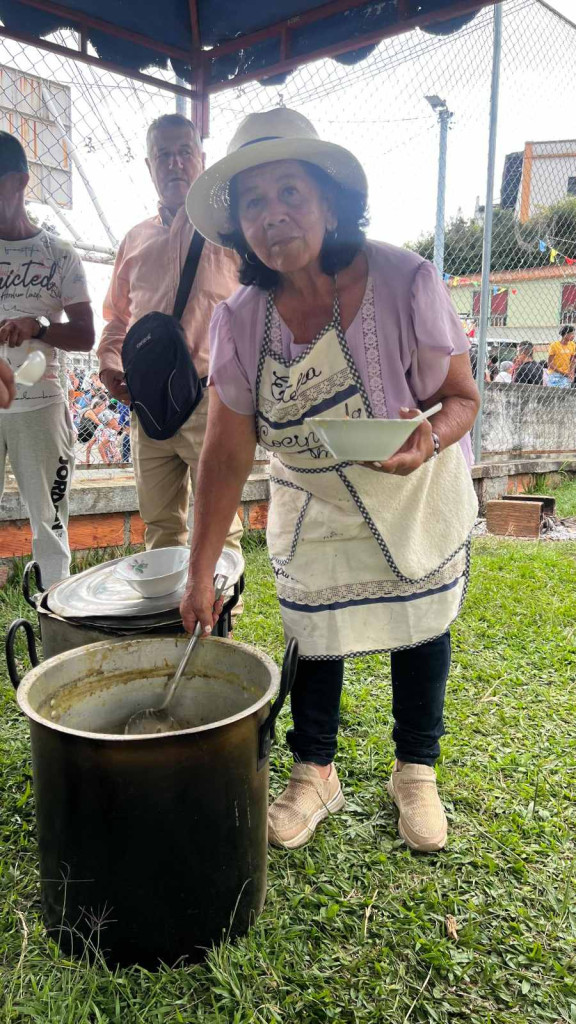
{"x":418,"y":688}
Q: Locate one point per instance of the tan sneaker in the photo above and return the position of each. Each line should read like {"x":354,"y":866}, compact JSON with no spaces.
{"x":305,"y":802}
{"x":422,"y":822}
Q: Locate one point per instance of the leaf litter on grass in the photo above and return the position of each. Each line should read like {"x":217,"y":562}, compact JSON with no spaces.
{"x":355,"y":925}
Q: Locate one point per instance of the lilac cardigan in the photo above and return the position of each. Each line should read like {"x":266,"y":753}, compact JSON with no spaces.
{"x":407,"y":356}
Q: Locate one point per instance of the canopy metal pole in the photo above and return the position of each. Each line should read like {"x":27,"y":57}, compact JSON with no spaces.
{"x":181,"y":101}
{"x":62,"y":216}
{"x":80,"y":168}
{"x":486,"y":294}
{"x":79,"y":242}
{"x":444,"y":120}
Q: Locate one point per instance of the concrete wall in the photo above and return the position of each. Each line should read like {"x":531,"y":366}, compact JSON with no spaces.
{"x":536,"y":304}
{"x":492,"y":480}
{"x":524,"y":418}
{"x":104,"y":511}
{"x":545,"y":172}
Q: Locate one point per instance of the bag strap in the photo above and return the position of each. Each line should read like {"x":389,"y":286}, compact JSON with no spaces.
{"x":188,"y":274}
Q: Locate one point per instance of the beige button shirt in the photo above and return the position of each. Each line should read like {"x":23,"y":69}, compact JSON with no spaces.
{"x":145,"y":279}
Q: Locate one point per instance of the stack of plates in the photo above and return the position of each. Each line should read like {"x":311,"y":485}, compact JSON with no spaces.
{"x":103,"y":597}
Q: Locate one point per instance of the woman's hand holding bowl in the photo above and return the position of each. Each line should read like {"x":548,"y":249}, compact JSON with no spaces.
{"x":414,"y":452}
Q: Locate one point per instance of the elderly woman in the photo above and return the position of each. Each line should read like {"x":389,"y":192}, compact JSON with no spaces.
{"x":367,"y":558}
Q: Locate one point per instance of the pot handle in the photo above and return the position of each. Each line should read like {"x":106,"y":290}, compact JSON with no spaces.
{"x":32,"y":567}
{"x":15,"y":678}
{"x":267,"y":733}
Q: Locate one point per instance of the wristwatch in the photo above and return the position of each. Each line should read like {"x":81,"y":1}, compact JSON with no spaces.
{"x":43,"y":325}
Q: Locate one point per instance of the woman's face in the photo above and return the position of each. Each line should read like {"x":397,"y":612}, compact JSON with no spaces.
{"x":283,"y":215}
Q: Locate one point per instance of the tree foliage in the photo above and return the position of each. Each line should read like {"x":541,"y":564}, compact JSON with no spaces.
{"x":515,"y":246}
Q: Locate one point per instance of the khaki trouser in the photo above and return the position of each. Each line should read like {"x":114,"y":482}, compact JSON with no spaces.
{"x":165,"y":471}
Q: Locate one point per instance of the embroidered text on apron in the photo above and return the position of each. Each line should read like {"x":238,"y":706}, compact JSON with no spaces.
{"x":364,"y":561}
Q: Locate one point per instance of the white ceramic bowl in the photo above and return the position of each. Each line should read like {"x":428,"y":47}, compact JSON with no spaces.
{"x":363,"y":440}
{"x":155,"y":573}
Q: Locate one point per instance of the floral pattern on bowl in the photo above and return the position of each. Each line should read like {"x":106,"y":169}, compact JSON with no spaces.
{"x":155,"y":573}
{"x":138,"y":565}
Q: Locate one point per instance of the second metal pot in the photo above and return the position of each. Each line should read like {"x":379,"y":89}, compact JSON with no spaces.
{"x":60,"y":634}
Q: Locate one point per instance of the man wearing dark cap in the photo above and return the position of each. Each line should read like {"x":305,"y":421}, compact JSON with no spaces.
{"x":41,"y":280}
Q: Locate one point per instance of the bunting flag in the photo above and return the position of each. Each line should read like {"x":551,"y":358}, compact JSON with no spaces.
{"x":554,"y":255}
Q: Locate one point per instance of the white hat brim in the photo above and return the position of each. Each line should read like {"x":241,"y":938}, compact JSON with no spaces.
{"x":207,"y":202}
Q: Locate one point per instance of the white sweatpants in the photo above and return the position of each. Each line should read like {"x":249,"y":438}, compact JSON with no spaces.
{"x":40,"y":446}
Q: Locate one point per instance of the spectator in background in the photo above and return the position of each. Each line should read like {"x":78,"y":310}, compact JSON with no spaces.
{"x":74,"y":389}
{"x":545,"y":374}
{"x":562,"y":358}
{"x":123,"y":412}
{"x":44,"y":304}
{"x":79,"y":406}
{"x":505,"y":374}
{"x":527,"y":370}
{"x":145,"y":278}
{"x":491,"y":368}
{"x":107,"y":428}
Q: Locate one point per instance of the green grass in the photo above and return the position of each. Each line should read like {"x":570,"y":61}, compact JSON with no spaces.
{"x":565,"y":494}
{"x":354,"y":928}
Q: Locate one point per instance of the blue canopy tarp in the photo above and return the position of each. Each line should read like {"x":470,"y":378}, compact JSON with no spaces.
{"x":229,"y":39}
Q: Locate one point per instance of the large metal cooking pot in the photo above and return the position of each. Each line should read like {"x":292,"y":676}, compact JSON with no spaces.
{"x":61,"y":633}
{"x":152,"y":847}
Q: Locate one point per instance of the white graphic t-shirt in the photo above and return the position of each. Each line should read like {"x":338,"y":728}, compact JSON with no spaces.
{"x":39,"y":276}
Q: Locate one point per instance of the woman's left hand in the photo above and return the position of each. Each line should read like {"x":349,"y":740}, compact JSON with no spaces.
{"x":414,"y":452}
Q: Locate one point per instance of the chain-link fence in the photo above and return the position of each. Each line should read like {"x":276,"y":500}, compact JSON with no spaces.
{"x":417,"y":104}
{"x":84,"y":132}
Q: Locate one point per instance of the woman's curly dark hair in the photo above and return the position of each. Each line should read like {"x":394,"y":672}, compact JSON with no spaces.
{"x":339,"y":247}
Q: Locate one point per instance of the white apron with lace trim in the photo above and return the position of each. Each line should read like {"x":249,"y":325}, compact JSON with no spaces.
{"x":364,"y":561}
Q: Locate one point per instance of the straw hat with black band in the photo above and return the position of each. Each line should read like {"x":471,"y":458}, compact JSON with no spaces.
{"x":280,"y":134}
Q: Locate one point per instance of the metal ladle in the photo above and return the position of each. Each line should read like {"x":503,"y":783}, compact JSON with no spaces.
{"x":158,"y":720}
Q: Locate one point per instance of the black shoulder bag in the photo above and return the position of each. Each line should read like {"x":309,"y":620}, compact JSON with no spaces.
{"x":160,"y":376}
